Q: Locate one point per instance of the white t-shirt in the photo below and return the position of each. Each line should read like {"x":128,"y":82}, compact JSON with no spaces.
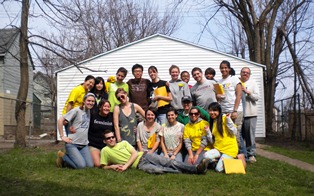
{"x":173,"y":136}
{"x":229,"y":85}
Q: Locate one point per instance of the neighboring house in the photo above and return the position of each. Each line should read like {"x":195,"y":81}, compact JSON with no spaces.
{"x":44,"y":116}
{"x":10,"y":82}
{"x":161,"y":51}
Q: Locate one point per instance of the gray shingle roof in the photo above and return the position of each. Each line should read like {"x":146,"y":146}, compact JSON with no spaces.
{"x":7,"y":36}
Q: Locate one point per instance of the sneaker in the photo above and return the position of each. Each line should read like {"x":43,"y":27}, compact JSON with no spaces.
{"x":202,"y":167}
{"x":59,"y":160}
{"x":212,"y":164}
{"x":252,"y":159}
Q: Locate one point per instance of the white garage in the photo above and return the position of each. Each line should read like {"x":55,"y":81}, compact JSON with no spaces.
{"x":161,"y":51}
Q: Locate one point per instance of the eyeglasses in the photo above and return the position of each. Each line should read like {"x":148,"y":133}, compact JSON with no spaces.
{"x":108,"y":138}
{"x":121,"y":97}
{"x":194,"y":114}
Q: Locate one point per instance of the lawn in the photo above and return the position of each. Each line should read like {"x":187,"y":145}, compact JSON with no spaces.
{"x":306,"y":154}
{"x":33,"y":172}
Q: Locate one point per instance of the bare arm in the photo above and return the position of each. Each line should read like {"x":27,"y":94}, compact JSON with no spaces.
{"x":60,"y":123}
{"x":133,"y":157}
{"x":163,"y":146}
{"x":139,"y":109}
{"x":116,"y":113}
{"x":69,"y":106}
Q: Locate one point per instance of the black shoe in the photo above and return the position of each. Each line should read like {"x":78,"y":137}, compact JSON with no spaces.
{"x":212,"y":164}
{"x":202,"y":167}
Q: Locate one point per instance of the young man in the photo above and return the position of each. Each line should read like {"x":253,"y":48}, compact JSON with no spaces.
{"x":138,"y":87}
{"x":202,"y":92}
{"x":121,"y":74}
{"x":250,"y":96}
{"x":120,"y":156}
{"x":184,"y":117}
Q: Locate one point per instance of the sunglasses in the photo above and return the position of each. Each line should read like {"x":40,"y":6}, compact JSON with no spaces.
{"x":121,"y":97}
{"x":193,"y":114}
{"x":108,"y":138}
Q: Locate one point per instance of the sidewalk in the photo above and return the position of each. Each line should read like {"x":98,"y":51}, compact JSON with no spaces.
{"x":279,"y":157}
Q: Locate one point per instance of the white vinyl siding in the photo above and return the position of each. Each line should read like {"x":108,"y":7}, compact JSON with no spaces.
{"x":162,"y":52}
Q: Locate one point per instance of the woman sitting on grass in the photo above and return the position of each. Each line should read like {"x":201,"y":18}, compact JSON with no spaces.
{"x":147,"y":132}
{"x":77,"y":153}
{"x":195,"y":137}
{"x":171,"y":136}
{"x":224,"y":131}
{"x":100,"y":121}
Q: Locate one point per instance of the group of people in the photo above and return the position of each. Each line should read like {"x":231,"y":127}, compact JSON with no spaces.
{"x":160,"y":126}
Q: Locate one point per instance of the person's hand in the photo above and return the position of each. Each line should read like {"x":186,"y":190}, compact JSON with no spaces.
{"x":150,"y":152}
{"x":166,"y":156}
{"x":190,"y":160}
{"x":220,"y":96}
{"x":173,"y":157}
{"x":195,"y":158}
{"x":72,"y":130}
{"x":233,"y":115}
{"x":206,"y":128}
{"x":66,"y":139}
{"x":121,"y":168}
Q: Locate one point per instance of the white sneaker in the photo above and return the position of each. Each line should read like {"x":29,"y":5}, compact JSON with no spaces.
{"x":252,"y":159}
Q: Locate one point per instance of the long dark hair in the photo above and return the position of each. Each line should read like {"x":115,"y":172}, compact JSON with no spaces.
{"x":215,"y":106}
{"x":102,"y":92}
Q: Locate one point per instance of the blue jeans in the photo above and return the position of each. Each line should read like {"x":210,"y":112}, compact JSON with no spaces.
{"x":156,"y":164}
{"x":77,"y":156}
{"x":248,"y":134}
{"x":178,"y":156}
{"x":215,"y":154}
{"x":161,"y":119}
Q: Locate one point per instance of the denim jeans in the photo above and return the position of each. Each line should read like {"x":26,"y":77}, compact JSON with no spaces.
{"x":248,"y":134}
{"x":178,"y":156}
{"x":215,"y":154}
{"x":78,"y":156}
{"x":161,"y":119}
{"x":156,"y":164}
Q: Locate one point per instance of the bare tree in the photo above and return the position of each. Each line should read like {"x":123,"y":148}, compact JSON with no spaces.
{"x":20,"y":107}
{"x":268,"y":27}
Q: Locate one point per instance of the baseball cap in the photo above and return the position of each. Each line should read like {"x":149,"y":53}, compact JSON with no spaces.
{"x":186,"y":98}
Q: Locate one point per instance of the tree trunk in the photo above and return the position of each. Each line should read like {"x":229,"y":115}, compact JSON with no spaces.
{"x":20,"y":107}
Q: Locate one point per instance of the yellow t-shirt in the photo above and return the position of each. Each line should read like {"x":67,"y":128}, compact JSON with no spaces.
{"x":226,"y":144}
{"x":195,"y":132}
{"x":119,"y":154}
{"x":76,"y":97}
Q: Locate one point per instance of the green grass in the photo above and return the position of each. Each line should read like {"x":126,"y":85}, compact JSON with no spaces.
{"x":306,"y":154}
{"x":33,"y":172}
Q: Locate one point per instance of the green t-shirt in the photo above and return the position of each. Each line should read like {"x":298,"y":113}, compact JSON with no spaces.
{"x":184,"y":119}
{"x":119,"y":154}
{"x":112,"y":93}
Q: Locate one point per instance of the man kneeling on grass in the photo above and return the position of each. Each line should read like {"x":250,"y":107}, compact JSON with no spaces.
{"x":120,"y":156}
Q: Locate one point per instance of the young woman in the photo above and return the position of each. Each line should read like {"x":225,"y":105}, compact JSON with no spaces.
{"x":231,"y":101}
{"x":160,"y":93}
{"x":147,"y":132}
{"x":103,"y":120}
{"x":194,"y":136}
{"x":224,"y":131}
{"x":75,"y":97}
{"x":124,"y":117}
{"x":185,"y":77}
{"x":77,"y":153}
{"x":112,"y":87}
{"x":171,"y":136}
{"x":99,"y":91}
{"x":177,"y":87}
